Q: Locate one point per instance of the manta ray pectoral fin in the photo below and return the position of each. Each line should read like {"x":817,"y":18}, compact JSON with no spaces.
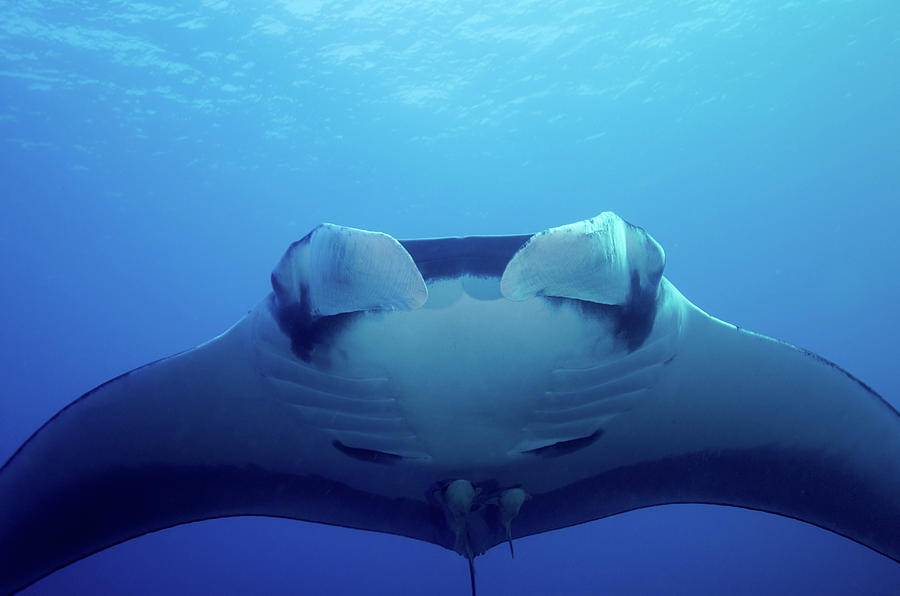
{"x":709,"y":413}
{"x":207,"y":433}
{"x":188,"y":438}
{"x":740,"y":419}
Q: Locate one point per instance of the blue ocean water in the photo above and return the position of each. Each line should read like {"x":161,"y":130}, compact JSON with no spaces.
{"x":157,"y":158}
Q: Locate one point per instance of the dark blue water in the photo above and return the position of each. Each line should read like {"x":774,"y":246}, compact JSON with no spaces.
{"x":156,"y":159}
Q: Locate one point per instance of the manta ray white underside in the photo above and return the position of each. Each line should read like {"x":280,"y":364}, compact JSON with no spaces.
{"x":461,"y":391}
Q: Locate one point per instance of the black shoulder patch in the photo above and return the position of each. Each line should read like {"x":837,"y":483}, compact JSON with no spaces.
{"x":304,"y":330}
{"x":636,"y":317}
{"x":633,"y":320}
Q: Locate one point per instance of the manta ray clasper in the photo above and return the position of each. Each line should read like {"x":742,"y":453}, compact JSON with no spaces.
{"x":461,"y":391}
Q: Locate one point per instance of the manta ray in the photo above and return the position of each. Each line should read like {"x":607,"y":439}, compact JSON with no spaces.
{"x":463,"y":391}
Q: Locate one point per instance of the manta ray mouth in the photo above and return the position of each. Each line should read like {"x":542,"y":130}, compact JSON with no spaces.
{"x":451,"y":258}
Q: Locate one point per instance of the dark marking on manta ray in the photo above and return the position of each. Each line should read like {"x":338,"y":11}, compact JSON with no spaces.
{"x":372,"y":456}
{"x":566,"y":447}
{"x":436,"y":259}
{"x":295,"y":319}
{"x":633,"y":321}
{"x":636,"y":318}
{"x":306,"y":331}
{"x":478,"y":256}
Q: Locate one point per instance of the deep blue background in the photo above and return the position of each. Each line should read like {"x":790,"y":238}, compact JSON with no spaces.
{"x":155,"y":159}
